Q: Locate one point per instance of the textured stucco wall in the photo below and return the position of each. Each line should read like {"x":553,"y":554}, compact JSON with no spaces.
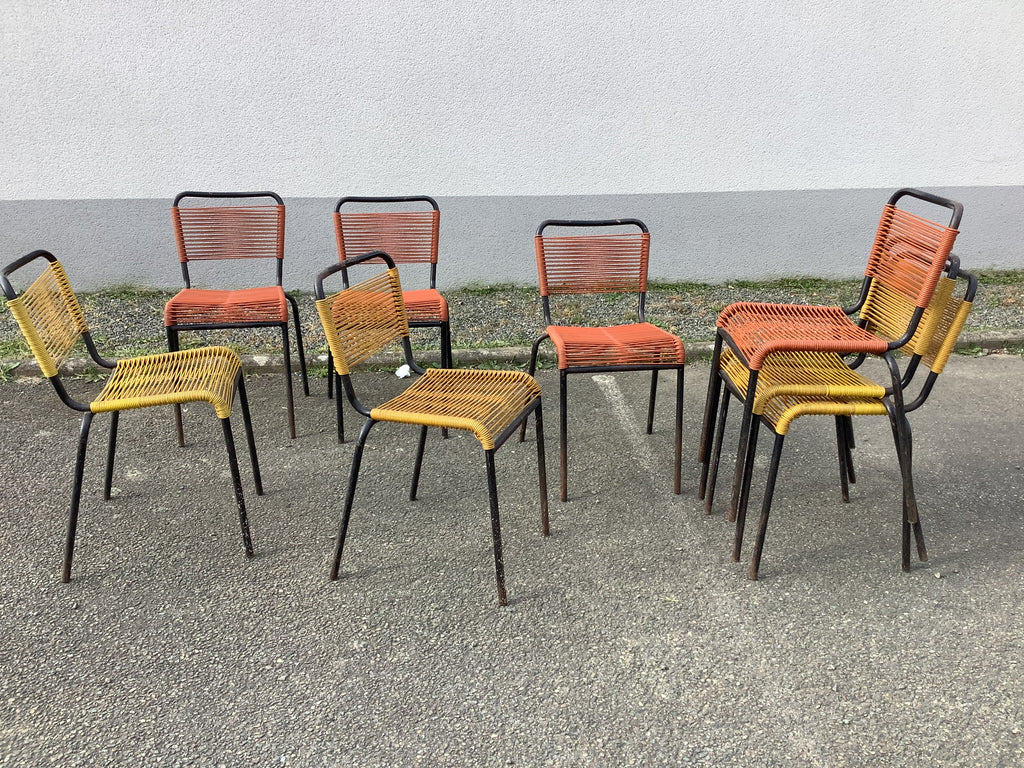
{"x":508,"y":111}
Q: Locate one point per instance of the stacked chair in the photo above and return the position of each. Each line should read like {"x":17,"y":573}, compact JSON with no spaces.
{"x":586,"y":258}
{"x":231,"y":226}
{"x":783,"y":361}
{"x":362,"y":319}
{"x":51,"y":319}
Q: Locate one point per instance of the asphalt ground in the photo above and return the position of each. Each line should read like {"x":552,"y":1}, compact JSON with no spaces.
{"x":631,"y":638}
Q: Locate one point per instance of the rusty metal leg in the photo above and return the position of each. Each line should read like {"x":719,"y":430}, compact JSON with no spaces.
{"x":678,"y":469}
{"x":288,"y":379}
{"x":236,"y":479}
{"x":650,"y":402}
{"x":76,"y":498}
{"x":350,"y":494}
{"x":111,"y":448}
{"x":499,"y":560}
{"x":563,"y":433}
{"x":542,"y":469}
{"x":250,"y":439}
{"x":716,"y":451}
{"x":298,"y":343}
{"x":173,"y":346}
{"x":844,"y":472}
{"x":748,"y":473}
{"x":418,"y":464}
{"x":766,"y":506}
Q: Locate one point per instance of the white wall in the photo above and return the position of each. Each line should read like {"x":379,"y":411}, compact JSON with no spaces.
{"x":111,"y":99}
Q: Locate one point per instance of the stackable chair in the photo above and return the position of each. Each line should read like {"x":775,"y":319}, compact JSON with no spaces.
{"x":407,"y":229}
{"x":795,"y":384}
{"x":359,"y":321}
{"x":216,"y":230}
{"x":52,"y":321}
{"x":603,"y":257}
{"x":909,"y":254}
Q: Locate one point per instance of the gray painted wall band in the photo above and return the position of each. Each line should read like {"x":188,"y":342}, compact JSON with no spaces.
{"x":703,"y":237}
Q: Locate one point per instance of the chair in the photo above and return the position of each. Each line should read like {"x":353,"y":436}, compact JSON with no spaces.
{"x":909,"y":254}
{"x":361,"y":320}
{"x":603,"y":257}
{"x":51,"y":319}
{"x":407,"y":229}
{"x":221,"y":231}
{"x":795,"y":384}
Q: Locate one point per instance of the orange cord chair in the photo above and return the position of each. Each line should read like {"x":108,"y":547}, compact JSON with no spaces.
{"x":909,"y":254}
{"x":215,"y":232}
{"x":602,"y":257}
{"x":407,"y":229}
{"x":359,"y":322}
{"x":795,"y":384}
{"x":51,"y":319}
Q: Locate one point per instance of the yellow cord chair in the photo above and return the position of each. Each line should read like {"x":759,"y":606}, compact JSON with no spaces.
{"x":359,"y":322}
{"x":795,"y":384}
{"x":52,"y":321}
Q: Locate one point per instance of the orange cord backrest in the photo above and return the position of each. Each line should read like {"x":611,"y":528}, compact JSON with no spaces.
{"x":229,"y":232}
{"x":408,"y":237}
{"x":581,"y":264}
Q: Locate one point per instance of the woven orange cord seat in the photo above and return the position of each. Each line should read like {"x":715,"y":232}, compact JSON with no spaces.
{"x":249,"y":306}
{"x":638,"y":344}
{"x":52,"y":321}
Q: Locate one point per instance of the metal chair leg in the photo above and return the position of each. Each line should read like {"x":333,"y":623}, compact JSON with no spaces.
{"x":542,"y":469}
{"x":851,"y":443}
{"x":330,"y":375}
{"x":563,"y":433}
{"x":499,"y":560}
{"x":236,"y":479}
{"x":716,"y":451}
{"x":288,"y":379}
{"x":678,"y":469}
{"x":173,"y":346}
{"x":766,"y":506}
{"x":339,"y":410}
{"x":111,"y":448}
{"x":533,"y":369}
{"x":418,"y":465}
{"x":844,"y":472}
{"x":353,"y":476}
{"x":748,"y":473}
{"x":708,"y":426}
{"x":298,"y":343}
{"x":650,"y":404}
{"x":447,"y":360}
{"x":746,"y":425}
{"x":76,"y":498}
{"x":250,"y":439}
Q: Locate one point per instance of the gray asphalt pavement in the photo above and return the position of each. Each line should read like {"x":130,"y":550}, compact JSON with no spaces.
{"x":631,"y":637}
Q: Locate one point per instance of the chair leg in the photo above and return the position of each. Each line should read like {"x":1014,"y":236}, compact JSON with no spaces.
{"x":173,"y":346}
{"x":904,"y":452}
{"x":353,"y":476}
{"x":563,"y":433}
{"x":747,"y":424}
{"x":922,"y":550}
{"x":542,"y":469}
{"x":111,"y":448}
{"x":339,"y":410}
{"x":678,"y":473}
{"x":419,"y":463}
{"x":844,"y":472}
{"x":499,"y":560}
{"x":766,"y":506}
{"x":708,"y":426}
{"x":748,"y":473}
{"x":447,"y":360}
{"x":298,"y":343}
{"x":243,"y":399}
{"x":716,"y":451}
{"x":76,"y":498}
{"x":533,"y":369}
{"x":650,"y":402}
{"x":330,"y":375}
{"x":285,"y":346}
{"x":851,"y":443}
{"x":236,"y":479}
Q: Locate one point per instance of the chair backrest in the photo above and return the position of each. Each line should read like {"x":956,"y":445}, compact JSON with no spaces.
{"x":361,"y":320}
{"x":909,"y":254}
{"x":248,"y":228}
{"x":592,"y":260}
{"x":364,"y":224}
{"x":47,"y":312}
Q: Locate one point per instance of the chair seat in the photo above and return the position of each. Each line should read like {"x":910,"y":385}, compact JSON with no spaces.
{"x":482,"y":402}
{"x":425,"y":306}
{"x":795,"y":384}
{"x":196,"y":306}
{"x":757,"y":330}
{"x":192,"y":375}
{"x":640,"y":344}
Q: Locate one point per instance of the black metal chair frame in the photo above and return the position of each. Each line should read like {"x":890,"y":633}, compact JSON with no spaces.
{"x":87,"y":417}
{"x":563,"y":373}
{"x":344,"y":381}
{"x":173,"y":330}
